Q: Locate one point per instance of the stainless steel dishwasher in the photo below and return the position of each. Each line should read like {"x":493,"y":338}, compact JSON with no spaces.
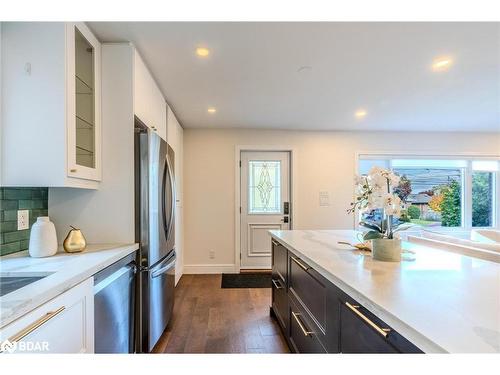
{"x":114,"y":306}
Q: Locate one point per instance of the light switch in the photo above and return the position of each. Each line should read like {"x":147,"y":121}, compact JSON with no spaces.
{"x":23,"y":219}
{"x":324,"y":198}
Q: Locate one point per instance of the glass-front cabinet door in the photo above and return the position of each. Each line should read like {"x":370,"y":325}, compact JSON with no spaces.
{"x":83,"y":63}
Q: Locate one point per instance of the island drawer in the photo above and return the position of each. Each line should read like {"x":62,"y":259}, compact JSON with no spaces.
{"x":309,"y":288}
{"x":362,"y":332}
{"x":280,"y":263}
{"x":280,"y":303}
{"x":304,"y":333}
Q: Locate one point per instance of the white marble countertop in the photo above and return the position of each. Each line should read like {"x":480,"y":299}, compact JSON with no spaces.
{"x":441,"y":301}
{"x":65,"y":271}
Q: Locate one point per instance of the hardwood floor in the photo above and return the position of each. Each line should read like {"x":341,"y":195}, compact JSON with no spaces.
{"x":208,"y":319}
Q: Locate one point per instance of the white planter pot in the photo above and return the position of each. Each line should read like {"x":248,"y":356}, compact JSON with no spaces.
{"x":387,"y":250}
{"x":43,"y":239}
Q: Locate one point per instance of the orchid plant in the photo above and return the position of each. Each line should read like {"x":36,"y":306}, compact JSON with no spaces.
{"x":376,"y":191}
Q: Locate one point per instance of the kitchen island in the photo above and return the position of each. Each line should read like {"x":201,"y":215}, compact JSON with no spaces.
{"x":330,"y":298}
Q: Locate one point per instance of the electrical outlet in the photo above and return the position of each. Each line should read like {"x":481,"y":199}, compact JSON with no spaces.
{"x":211,"y":254}
{"x":23,"y":219}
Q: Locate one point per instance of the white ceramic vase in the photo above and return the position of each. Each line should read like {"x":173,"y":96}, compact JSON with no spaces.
{"x":43,"y":239}
{"x":386,"y":250}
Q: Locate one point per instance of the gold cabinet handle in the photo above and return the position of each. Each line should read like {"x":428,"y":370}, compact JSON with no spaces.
{"x":354,"y":308}
{"x":73,"y":170}
{"x":301,"y":325}
{"x":277,"y":284}
{"x":300,"y":264}
{"x":44,"y":319}
{"x":275,"y":242}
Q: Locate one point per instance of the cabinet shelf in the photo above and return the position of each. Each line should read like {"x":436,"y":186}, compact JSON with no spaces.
{"x":84,"y":83}
{"x":84,"y":151}
{"x":89,"y":124}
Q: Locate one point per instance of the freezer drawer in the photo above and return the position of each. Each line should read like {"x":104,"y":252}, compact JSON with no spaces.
{"x":158,"y":303}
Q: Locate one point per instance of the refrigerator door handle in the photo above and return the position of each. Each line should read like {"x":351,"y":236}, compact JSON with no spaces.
{"x":165,"y":268}
{"x":166,"y":225}
{"x":172,"y":193}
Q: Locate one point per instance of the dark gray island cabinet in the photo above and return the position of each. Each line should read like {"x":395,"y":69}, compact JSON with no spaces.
{"x":317,"y":317}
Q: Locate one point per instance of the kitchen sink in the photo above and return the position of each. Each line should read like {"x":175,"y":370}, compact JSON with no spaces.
{"x":10,"y":283}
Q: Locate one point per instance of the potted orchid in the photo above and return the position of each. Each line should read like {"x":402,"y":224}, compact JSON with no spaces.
{"x":376,"y":191}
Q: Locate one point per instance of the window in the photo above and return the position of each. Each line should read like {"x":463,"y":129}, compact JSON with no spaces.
{"x":264,"y":187}
{"x":436,"y":191}
{"x":483,"y":193}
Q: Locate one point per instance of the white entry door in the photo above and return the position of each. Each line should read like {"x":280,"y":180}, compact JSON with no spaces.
{"x":265,"y":204}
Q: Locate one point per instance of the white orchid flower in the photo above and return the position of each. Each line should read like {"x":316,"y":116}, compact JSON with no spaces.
{"x":392,"y":204}
{"x":378,"y":183}
{"x":394,"y":179}
{"x":359,"y":180}
{"x":375,"y":170}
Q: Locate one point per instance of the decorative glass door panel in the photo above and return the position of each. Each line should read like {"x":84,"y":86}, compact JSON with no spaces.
{"x":84,"y":101}
{"x":264,"y":187}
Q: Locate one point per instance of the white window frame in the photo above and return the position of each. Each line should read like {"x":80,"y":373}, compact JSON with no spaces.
{"x":466,"y":181}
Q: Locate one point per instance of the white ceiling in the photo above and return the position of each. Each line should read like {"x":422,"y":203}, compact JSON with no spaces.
{"x":252,"y":78}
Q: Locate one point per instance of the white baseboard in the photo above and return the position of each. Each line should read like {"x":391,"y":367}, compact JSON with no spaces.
{"x":196,"y":269}
{"x":256,"y":268}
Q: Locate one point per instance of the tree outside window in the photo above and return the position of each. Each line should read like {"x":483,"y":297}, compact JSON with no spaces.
{"x":482,"y":199}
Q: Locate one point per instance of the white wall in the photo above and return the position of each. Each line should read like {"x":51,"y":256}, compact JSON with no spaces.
{"x":325,"y":162}
{"x":106,"y":215}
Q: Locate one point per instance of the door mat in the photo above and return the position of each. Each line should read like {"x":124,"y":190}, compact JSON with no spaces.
{"x":246,"y":280}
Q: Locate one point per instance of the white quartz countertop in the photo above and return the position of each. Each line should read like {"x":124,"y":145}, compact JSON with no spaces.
{"x":441,"y":301}
{"x":65,"y":271}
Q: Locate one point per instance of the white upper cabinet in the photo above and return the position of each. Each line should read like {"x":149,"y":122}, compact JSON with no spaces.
{"x":84,"y":108}
{"x":149,"y":104}
{"x":51,"y":111}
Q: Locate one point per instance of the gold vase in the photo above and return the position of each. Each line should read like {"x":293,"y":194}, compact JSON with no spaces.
{"x":74,"y":241}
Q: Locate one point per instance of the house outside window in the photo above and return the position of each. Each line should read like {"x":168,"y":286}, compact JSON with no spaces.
{"x":442,"y":193}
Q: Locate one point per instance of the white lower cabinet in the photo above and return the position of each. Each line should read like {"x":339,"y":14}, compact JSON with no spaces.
{"x":65,"y":324}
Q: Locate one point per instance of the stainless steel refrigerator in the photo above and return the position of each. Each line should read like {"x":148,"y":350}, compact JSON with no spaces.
{"x":155,"y":231}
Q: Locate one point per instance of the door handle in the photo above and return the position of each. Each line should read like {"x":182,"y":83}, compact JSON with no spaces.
{"x":166,"y":224}
{"x":172,"y":189}
{"x":301,"y":325}
{"x":354,"y":308}
{"x":300,"y":264}
{"x":165,"y":268}
{"x":33,"y":326}
{"x":277,"y":284}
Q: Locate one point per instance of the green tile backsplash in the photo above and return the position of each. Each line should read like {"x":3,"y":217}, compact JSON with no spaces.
{"x":12,"y":199}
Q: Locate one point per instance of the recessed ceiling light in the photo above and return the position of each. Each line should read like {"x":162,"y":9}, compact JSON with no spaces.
{"x":211,"y":110}
{"x":360,"y":113}
{"x":202,"y":51}
{"x":442,"y":63}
